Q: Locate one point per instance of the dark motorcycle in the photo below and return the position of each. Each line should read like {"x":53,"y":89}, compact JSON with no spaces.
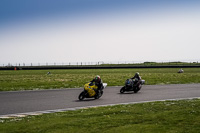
{"x":132,"y":85}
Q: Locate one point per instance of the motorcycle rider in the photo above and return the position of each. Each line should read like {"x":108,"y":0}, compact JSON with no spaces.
{"x":137,"y":78}
{"x":98,"y":82}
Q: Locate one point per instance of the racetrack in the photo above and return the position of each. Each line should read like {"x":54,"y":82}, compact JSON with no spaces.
{"x":42,"y":100}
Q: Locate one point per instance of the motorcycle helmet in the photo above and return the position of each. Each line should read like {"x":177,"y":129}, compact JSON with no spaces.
{"x":137,"y":74}
{"x":97,"y":78}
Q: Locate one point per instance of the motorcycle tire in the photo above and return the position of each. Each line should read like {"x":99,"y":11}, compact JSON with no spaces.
{"x":122,"y":90}
{"x":101,"y":93}
{"x":98,"y":95}
{"x":139,"y":87}
{"x":136,"y":89}
{"x":81,"y":96}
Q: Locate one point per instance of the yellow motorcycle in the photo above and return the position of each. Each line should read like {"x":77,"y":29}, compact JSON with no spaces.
{"x":90,"y":91}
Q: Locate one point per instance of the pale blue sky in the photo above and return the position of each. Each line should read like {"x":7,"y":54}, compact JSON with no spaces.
{"x":99,"y":30}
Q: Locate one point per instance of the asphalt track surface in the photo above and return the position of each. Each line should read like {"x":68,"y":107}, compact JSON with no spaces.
{"x":42,"y":100}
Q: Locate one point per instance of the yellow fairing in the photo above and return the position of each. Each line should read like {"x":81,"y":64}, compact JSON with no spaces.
{"x":90,"y":89}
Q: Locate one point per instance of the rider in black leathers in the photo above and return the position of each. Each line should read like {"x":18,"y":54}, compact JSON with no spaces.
{"x":137,"y":78}
{"x":98,"y":82}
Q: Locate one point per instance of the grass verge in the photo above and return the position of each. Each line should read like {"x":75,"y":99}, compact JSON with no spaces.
{"x":153,"y":117}
{"x":11,"y":80}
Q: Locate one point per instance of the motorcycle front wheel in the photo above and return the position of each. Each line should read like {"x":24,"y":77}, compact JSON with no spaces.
{"x":122,"y":90}
{"x":81,"y":96}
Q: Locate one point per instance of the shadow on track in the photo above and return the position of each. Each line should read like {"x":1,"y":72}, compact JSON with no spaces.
{"x":85,"y":100}
{"x":127,"y":93}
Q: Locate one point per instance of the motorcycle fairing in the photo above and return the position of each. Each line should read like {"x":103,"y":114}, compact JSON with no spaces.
{"x":90,"y":89}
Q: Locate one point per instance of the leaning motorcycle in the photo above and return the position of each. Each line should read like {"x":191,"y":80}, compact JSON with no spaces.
{"x":132,"y":85}
{"x":90,"y":91}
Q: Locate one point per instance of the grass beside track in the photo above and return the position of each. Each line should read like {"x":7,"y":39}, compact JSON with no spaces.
{"x":11,"y":80}
{"x":154,"y":117}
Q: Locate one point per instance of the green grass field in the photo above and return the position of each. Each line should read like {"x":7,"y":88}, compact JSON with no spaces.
{"x":155,"y":117}
{"x":11,"y":80}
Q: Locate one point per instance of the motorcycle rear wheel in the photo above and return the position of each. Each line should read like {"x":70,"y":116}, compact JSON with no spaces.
{"x":81,"y":96}
{"x":138,"y":88}
{"x":98,"y":95}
